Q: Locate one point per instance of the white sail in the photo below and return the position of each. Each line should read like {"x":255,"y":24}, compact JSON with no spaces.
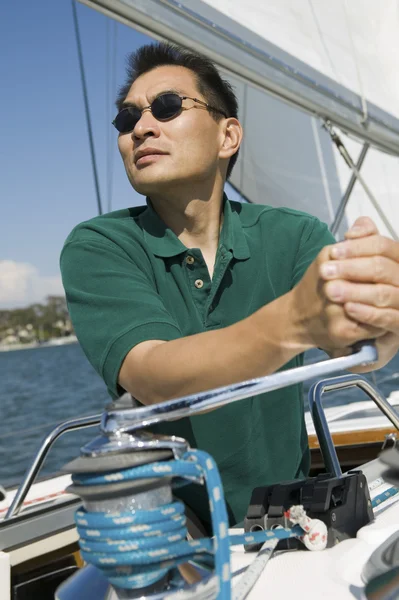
{"x":355,"y":42}
{"x":294,"y":63}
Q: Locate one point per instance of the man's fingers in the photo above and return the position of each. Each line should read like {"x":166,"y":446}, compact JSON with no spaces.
{"x":379,"y":295}
{"x":343,"y":331}
{"x":362,"y":227}
{"x":385,"y":318}
{"x":374,"y":269}
{"x":362,"y":330}
{"x":374,"y":245}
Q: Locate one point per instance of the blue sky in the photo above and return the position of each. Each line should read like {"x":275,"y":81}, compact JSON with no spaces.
{"x":46,"y":182}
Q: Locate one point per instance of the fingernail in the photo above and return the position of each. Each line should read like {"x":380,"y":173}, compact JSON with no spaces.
{"x":335,"y":291}
{"x":329,"y":269}
{"x":357,"y":229}
{"x":338,"y":251}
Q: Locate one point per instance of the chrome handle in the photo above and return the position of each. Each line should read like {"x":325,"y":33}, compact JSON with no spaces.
{"x":128,"y":420}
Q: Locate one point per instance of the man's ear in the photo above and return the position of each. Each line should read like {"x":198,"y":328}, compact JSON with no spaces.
{"x":232,"y":136}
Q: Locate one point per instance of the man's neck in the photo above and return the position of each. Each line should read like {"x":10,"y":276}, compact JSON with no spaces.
{"x":196,"y":221}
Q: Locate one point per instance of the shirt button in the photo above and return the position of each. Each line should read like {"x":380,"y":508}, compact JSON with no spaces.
{"x":189,"y":260}
{"x":198,"y":283}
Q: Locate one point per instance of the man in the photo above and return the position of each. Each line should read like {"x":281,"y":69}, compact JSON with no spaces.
{"x":193,"y":292}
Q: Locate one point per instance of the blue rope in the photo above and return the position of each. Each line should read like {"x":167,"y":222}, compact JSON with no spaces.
{"x":393,"y":491}
{"x":134,"y":550}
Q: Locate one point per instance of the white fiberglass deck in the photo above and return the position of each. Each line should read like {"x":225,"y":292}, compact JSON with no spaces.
{"x":355,"y":416}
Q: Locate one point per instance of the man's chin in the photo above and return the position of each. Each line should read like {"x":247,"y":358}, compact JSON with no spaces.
{"x":155,"y":185}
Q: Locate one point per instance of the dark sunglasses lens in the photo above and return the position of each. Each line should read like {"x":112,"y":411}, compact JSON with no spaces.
{"x":126,"y":119}
{"x":166,"y":106}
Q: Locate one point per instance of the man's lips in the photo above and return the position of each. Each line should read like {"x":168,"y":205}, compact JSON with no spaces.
{"x":147,"y":155}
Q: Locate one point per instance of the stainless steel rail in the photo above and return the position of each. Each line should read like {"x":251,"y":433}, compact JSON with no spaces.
{"x":41,"y":454}
{"x":127,"y":420}
{"x":319,"y":418}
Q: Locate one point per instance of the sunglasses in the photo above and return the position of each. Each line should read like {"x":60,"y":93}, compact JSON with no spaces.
{"x":164,"y":107}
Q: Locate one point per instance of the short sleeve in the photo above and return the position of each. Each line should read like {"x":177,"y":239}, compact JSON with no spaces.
{"x":315,"y":236}
{"x":113,"y":305}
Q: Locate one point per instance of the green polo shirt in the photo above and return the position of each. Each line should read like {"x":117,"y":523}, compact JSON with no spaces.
{"x":128,"y":278}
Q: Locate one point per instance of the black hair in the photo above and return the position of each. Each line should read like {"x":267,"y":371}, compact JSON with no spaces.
{"x":217,"y":91}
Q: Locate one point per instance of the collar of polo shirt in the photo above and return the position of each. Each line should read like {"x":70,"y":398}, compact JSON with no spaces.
{"x":164,"y":242}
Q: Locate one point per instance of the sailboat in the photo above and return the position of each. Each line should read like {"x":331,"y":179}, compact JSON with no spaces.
{"x":317,"y":87}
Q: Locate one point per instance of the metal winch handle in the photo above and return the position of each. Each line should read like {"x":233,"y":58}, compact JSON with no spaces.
{"x":128,"y":420}
{"x":319,"y":418}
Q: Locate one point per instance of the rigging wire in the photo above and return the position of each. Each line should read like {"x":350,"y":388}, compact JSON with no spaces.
{"x":107,"y":98}
{"x":86,"y":104}
{"x":348,"y":159}
{"x":339,"y":215}
{"x":111,"y":52}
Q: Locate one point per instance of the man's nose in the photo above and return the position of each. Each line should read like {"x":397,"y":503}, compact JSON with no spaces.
{"x":146,"y":126}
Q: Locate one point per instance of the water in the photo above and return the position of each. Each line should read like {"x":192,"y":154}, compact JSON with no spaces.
{"x":40,"y":388}
{"x":44,"y":386}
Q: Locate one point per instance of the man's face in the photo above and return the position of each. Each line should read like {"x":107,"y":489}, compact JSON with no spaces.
{"x":189,"y":142}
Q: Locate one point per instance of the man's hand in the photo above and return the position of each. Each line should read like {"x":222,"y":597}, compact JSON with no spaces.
{"x":363,"y":277}
{"x":321,"y":321}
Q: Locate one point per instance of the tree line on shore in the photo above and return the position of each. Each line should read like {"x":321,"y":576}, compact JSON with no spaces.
{"x":37,"y":322}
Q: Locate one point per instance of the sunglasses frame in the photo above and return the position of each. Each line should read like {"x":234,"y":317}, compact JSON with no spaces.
{"x":149,"y":107}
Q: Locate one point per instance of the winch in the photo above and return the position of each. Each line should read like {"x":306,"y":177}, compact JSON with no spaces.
{"x":134,"y":531}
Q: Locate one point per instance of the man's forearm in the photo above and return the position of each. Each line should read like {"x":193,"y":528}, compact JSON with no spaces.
{"x":253,"y":347}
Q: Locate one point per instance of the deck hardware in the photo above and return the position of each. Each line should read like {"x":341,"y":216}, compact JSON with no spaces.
{"x":340,"y":502}
{"x":390,"y":441}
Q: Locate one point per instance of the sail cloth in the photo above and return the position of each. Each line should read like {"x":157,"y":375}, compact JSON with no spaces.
{"x":293,"y":63}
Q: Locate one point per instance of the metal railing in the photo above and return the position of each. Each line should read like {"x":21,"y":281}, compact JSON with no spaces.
{"x":319,"y":418}
{"x":37,"y":462}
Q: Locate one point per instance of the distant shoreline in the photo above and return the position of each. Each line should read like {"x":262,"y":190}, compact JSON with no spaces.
{"x":60,"y":341}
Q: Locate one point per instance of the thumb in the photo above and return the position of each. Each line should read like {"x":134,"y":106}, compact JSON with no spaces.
{"x":362,"y":227}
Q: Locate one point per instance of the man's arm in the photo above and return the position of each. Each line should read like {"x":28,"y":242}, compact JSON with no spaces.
{"x":155,"y":371}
